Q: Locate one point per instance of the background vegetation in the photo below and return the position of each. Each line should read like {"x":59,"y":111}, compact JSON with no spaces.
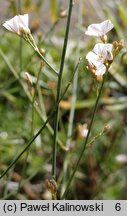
{"x":101,"y":174}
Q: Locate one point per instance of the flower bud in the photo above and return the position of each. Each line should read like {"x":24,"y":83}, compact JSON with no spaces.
{"x":42,"y":51}
{"x":106,"y":127}
{"x":121,"y":44}
{"x":23,"y":31}
{"x":51,"y":185}
{"x":115,"y":44}
{"x":91,"y":68}
{"x":63,"y":14}
{"x":104,"y":38}
{"x":39,"y":35}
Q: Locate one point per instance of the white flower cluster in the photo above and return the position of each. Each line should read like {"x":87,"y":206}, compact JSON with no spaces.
{"x":99,"y":59}
{"x":102,"y":52}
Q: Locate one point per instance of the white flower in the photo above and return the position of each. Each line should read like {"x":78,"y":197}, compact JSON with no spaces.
{"x":100,"y":71}
{"x":99,"y":29}
{"x":18,"y":24}
{"x":98,"y":56}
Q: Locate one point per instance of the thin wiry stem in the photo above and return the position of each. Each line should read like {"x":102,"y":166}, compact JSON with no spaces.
{"x":59,"y":90}
{"x":46,"y":62}
{"x":72,"y":110}
{"x":86,"y":140}
{"x":29,"y":39}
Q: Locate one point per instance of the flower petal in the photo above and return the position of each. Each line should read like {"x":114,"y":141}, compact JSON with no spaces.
{"x":16,"y":23}
{"x":101,"y":49}
{"x":99,"y":29}
{"x":94,"y":59}
{"x":23,"y":20}
{"x":106,"y":26}
{"x":100,"y":71}
{"x":92,"y":56}
{"x":8,"y":27}
{"x":11,"y":25}
{"x":93,"y":30}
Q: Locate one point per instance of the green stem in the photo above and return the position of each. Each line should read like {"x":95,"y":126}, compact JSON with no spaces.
{"x":46,"y":62}
{"x":86,"y":140}
{"x":59,"y":90}
{"x":72,"y":111}
{"x":43,"y":126}
{"x":29,"y":39}
{"x":20,"y":55}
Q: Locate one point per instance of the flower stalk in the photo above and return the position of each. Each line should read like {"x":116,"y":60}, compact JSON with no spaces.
{"x":29,"y":39}
{"x":20,"y":25}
